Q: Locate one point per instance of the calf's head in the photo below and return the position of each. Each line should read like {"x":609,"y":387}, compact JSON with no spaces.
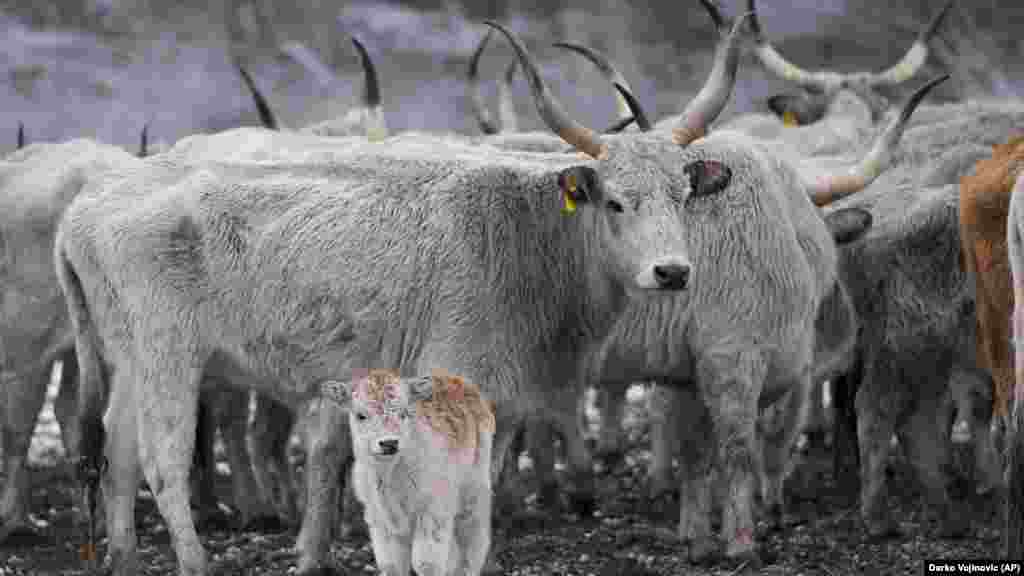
{"x":382,"y":411}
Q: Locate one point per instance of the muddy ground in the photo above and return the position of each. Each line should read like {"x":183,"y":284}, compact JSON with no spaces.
{"x":624,"y":538}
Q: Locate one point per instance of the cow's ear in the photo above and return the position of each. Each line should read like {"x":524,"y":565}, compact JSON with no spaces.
{"x":707,"y":177}
{"x":579,"y":185}
{"x":848,"y":224}
{"x":337,"y":392}
{"x":421,"y":388}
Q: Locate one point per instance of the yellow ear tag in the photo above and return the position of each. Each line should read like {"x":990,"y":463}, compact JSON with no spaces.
{"x":789,"y":119}
{"x":569,"y":206}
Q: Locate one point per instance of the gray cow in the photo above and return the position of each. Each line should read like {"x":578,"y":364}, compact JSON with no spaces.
{"x":258,"y":283}
{"x":36,"y":184}
{"x":916,"y":312}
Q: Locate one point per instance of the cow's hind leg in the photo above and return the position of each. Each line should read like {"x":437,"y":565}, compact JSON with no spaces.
{"x":26,"y":393}
{"x":168,"y":409}
{"x":874,"y":431}
{"x":120,"y":483}
{"x":928,"y":447}
{"x":232,"y":416}
{"x":328,"y":449}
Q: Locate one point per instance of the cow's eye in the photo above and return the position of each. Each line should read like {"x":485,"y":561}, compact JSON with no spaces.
{"x":361,"y":416}
{"x":614,"y":206}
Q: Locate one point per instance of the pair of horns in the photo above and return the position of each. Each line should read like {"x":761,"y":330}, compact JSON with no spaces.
{"x":371,"y":85}
{"x":831,"y":188}
{"x":829,"y":81}
{"x":143,"y":143}
{"x":697,"y":116}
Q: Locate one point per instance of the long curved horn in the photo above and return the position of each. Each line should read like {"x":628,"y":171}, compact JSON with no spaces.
{"x":579,"y":136}
{"x":607,"y":69}
{"x":637,"y":113}
{"x":714,"y":95}
{"x":144,"y":141}
{"x":476,"y":98}
{"x":829,"y":189}
{"x":21,"y":135}
{"x":371,"y":86}
{"x":267,"y":117}
{"x":915,"y":57}
{"x":506,"y":109}
{"x":827,"y":81}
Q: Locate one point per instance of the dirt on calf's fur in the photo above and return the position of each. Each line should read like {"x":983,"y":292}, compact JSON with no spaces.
{"x":624,"y":537}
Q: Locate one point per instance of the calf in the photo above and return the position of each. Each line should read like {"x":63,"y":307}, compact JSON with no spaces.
{"x":422,"y":451}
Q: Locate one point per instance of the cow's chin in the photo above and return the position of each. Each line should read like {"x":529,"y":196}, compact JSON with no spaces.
{"x":383,"y":458}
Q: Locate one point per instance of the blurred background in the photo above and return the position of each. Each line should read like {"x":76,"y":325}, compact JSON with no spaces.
{"x":102,"y":68}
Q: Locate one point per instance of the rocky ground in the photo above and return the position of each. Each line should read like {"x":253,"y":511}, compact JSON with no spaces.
{"x":624,"y":537}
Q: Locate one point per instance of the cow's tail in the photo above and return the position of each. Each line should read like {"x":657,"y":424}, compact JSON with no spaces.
{"x":91,"y":372}
{"x":1013,"y":531}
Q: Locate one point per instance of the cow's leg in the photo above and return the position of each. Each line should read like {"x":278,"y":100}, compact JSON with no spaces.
{"x":66,"y":403}
{"x":473,"y":529}
{"x":777,"y":443}
{"x":874,"y":431}
{"x":667,"y":416}
{"x":431,"y":544}
{"x":539,"y":438}
{"x":168,"y":410}
{"x":203,"y":473}
{"x":562,"y":418}
{"x":731,"y":382}
{"x":232,"y":416}
{"x":391,"y":551}
{"x":611,"y":439}
{"x":268,"y":445}
{"x":697,"y":476}
{"x":26,"y":393}
{"x":328,"y":451}
{"x":120,"y":483}
{"x":928,"y":446}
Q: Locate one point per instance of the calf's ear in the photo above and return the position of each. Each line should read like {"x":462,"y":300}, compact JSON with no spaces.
{"x":337,"y":392}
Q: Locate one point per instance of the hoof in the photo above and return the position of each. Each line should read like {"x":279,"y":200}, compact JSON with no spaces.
{"x":954,"y":529}
{"x":582,"y":503}
{"x":264,"y":523}
{"x":883,"y":531}
{"x":21,"y":535}
{"x":663,"y":507}
{"x":318,"y":571}
{"x":213,"y":521}
{"x":703,"y":551}
{"x":547,"y":497}
{"x":746,"y":562}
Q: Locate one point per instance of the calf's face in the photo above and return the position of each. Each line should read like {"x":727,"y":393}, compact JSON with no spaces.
{"x":382,"y":411}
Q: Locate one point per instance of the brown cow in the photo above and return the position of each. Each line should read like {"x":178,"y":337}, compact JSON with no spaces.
{"x":984,"y":205}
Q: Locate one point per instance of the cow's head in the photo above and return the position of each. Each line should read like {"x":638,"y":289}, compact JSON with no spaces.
{"x":633,"y":191}
{"x":819,"y":88}
{"x":382,"y":411}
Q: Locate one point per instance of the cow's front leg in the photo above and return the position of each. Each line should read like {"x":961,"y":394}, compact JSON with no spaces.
{"x":731,"y":382}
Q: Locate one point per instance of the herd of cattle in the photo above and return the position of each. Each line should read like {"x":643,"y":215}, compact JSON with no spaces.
{"x":326,"y":272}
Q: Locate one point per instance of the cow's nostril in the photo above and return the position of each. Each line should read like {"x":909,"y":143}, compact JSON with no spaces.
{"x":672,"y":276}
{"x":388,"y":446}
